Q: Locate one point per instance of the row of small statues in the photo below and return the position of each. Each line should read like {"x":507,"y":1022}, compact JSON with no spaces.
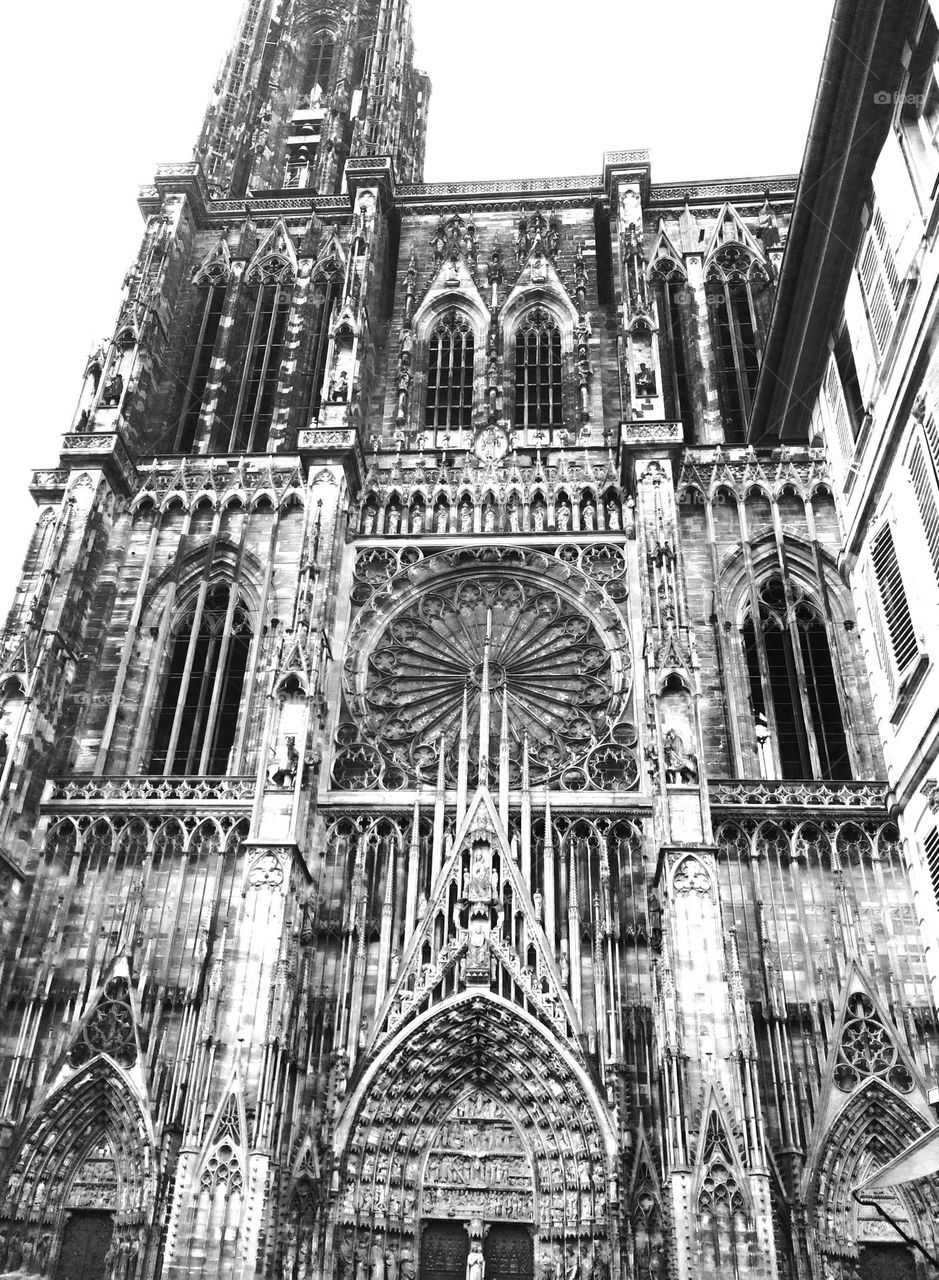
{"x":439,"y":521}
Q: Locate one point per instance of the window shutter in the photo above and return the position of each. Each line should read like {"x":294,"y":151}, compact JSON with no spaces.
{"x":880,"y":282}
{"x":877,"y":626}
{"x":895,"y":605}
{"x":924,"y":486}
{"x":931,"y":850}
{"x":834,"y":393}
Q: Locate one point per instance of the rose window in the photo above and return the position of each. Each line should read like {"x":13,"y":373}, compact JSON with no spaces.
{"x":544,"y":657}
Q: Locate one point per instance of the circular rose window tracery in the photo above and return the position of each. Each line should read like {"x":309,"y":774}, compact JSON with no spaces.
{"x":561,"y":677}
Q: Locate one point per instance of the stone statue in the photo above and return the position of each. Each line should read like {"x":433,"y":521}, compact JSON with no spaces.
{"x":538,"y":900}
{"x":538,"y":517}
{"x":612,"y":516}
{"x":376,"y":1263}
{"x":590,"y":517}
{"x":466,"y":518}
{"x":285,"y":774}
{"x":391,"y":1265}
{"x":113,"y":390}
{"x":417,"y":520}
{"x":441,"y":520}
{"x":681,"y":767}
{"x":368,"y":521}
{"x":393,"y":521}
{"x":476,"y":1263}
{"x":645,"y":381}
{"x":564,"y":518}
{"x":489,"y":521}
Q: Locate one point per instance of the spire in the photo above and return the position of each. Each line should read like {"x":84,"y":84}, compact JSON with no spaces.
{"x":462,"y":780}
{"x":504,"y":760}
{"x":485,"y":711}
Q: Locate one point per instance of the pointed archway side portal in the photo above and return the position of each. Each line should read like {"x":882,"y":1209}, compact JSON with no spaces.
{"x":475,"y":1113}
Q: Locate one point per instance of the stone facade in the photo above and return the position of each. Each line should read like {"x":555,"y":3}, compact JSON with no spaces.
{"x":440,"y":778}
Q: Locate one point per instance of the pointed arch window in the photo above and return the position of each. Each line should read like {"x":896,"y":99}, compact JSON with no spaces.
{"x":450,"y":366}
{"x":793,"y":685}
{"x":207,"y":317}
{"x":198,"y":715}
{"x":735,"y":282}
{"x":318,"y":71}
{"x":671,"y":292}
{"x":538,"y":371}
{"x":257,"y":359}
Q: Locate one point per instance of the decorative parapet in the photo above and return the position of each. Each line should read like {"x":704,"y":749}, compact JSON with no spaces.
{"x":760,"y":794}
{"x":709,"y":469}
{"x":101,"y":449}
{"x":148,"y":791}
{"x":49,"y":486}
{"x":717,"y":192}
{"x":334,"y":444}
{"x":277,"y":477}
{"x":643,"y":434}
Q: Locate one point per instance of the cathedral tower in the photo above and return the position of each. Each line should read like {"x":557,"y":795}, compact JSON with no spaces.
{"x":444,"y":824}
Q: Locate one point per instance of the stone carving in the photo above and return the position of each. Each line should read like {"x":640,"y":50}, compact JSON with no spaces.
{"x":110,"y":1029}
{"x":681,"y":767}
{"x":867,"y":1051}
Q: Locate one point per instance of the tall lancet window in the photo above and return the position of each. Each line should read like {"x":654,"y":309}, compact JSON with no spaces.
{"x":538,"y":371}
{"x":205,"y":325}
{"x":793,"y":685}
{"x":318,"y":72}
{"x":257,"y":359}
{"x":450,"y":362}
{"x":734,"y":282}
{"x":674,"y":301}
{"x":198,"y":715}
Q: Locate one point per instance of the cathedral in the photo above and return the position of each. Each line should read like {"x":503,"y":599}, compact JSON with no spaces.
{"x":468,"y":736}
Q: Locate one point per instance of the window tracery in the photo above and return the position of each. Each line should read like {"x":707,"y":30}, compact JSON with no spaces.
{"x":793,"y":685}
{"x":198,"y":715}
{"x":735,"y":280}
{"x":866,"y":1050}
{"x":671,"y":289}
{"x":538,"y":371}
{"x":245,"y":424}
{"x":450,"y":370}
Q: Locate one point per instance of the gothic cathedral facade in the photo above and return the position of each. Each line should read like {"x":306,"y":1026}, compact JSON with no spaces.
{"x":445,"y":831}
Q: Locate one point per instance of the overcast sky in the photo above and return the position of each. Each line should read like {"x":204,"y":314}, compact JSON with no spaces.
{"x":94,"y":96}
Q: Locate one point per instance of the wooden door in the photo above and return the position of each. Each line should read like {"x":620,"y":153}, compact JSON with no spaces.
{"x":85,"y":1246}
{"x":444,"y":1250}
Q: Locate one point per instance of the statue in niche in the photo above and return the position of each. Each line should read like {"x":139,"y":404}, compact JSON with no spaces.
{"x":515,"y":517}
{"x":417,"y":520}
{"x":368,"y":520}
{"x":481,"y":873}
{"x":113,"y":390}
{"x":564,"y":518}
{"x":394,"y":521}
{"x":489,"y":520}
{"x":339,"y":389}
{"x":391,"y":1262}
{"x":476,"y":1263}
{"x":538,"y":900}
{"x":285,"y":774}
{"x":441,"y":521}
{"x":681,"y":767}
{"x":613,"y":521}
{"x":590,"y":517}
{"x":538,"y":517}
{"x":466,"y":518}
{"x":377,"y":1262}
{"x":645,"y":381}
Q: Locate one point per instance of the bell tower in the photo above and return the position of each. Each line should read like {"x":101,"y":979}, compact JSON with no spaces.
{"x":307,"y":84}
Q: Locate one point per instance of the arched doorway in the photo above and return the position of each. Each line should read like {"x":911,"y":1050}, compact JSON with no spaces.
{"x":887,"y":1262}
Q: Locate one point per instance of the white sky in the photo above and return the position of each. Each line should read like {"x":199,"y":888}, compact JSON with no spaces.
{"x":96,"y":96}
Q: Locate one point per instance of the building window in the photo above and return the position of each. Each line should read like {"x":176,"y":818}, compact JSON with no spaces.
{"x":671,"y":291}
{"x":258,"y":359}
{"x":450,"y":366}
{"x":318,"y":73}
{"x":897,"y":638}
{"x":919,"y":119}
{"x":880,"y":283}
{"x":931,"y":851}
{"x":925,"y":482}
{"x":538,"y":381}
{"x":210,"y":305}
{"x":734,"y":282}
{"x":198,"y":715}
{"x":793,"y":685}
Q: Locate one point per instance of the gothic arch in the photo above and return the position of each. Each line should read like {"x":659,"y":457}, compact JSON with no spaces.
{"x":875,"y":1127}
{"x":474,"y":1046}
{"x":89,"y":1145}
